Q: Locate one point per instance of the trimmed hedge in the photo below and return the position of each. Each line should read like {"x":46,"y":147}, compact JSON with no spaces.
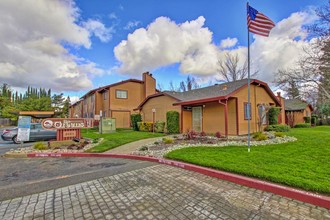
{"x":273,"y":115}
{"x":314,"y":120}
{"x":277,"y":128}
{"x":307,"y":119}
{"x":172,"y":121}
{"x":145,"y":126}
{"x":135,"y":118}
{"x":159,"y":126}
{"x":303,"y":125}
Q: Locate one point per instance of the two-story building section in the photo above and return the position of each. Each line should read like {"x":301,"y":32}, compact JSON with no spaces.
{"x":116,"y":100}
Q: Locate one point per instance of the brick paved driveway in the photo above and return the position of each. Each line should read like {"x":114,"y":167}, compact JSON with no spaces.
{"x":158,"y":192}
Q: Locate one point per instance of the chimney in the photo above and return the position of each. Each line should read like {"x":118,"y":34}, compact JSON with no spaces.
{"x":279,"y":96}
{"x":149,"y":84}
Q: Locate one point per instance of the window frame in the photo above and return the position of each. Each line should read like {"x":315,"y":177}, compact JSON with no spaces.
{"x":121,"y":90}
{"x":245,"y":111}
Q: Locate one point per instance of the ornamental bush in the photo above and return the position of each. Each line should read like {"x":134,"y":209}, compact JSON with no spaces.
{"x":314,"y":120}
{"x":145,"y":126}
{"x":172,"y":122}
{"x":259,"y":136}
{"x":40,"y":146}
{"x":135,"y":118}
{"x":303,"y":125}
{"x":307,"y":119}
{"x":277,"y":128}
{"x":273,"y":115}
{"x":159,"y":126}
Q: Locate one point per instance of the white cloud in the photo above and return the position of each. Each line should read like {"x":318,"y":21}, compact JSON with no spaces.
{"x":283,"y":48}
{"x":113,"y":16}
{"x":74,"y":99}
{"x":99,"y":30}
{"x":190,"y":45}
{"x":228,"y":43}
{"x":32,"y":51}
{"x":163,"y":43}
{"x":131,"y":24}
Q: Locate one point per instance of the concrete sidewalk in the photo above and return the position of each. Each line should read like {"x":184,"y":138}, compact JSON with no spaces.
{"x":130,"y":147}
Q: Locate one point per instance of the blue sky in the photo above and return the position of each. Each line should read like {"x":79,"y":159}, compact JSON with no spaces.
{"x":75,"y":46}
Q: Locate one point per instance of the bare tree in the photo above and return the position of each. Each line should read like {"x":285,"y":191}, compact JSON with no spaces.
{"x":186,"y":85}
{"x":229,"y":69}
{"x":189,"y":84}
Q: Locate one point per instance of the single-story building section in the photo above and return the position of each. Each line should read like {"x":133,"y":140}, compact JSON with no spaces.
{"x":220,"y":108}
{"x":296,"y":110}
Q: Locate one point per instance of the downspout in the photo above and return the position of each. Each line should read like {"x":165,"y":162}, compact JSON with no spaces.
{"x":226,"y":115}
{"x":181,"y":120}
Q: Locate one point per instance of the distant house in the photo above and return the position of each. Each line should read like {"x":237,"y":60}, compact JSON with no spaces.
{"x":296,"y":110}
{"x":116,"y":100}
{"x":222,"y":107}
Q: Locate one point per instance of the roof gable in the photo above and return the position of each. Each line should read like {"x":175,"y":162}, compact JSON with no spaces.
{"x":296,"y":105}
{"x":219,"y":91}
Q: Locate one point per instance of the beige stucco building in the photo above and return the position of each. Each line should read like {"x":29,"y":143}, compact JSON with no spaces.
{"x":220,"y":108}
{"x":116,"y":100}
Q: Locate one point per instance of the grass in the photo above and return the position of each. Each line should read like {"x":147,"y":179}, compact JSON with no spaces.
{"x":302,"y":164}
{"x":112,"y":140}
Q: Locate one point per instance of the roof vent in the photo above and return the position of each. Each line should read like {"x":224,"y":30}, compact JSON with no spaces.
{"x":224,"y":87}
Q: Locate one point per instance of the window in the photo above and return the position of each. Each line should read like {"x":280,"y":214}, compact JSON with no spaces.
{"x":262,"y":114}
{"x":121,"y":94}
{"x":105,"y":95}
{"x":247,"y":111}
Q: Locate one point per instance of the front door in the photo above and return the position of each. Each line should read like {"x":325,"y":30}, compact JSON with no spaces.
{"x":197,"y":118}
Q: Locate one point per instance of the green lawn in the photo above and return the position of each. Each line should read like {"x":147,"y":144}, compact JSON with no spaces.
{"x":303,"y":164}
{"x":122,"y":136}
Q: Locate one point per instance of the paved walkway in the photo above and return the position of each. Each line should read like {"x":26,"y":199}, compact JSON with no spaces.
{"x":158,"y":192}
{"x":130,"y":147}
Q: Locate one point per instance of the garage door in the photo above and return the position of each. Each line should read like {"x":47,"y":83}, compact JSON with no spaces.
{"x":122,"y":119}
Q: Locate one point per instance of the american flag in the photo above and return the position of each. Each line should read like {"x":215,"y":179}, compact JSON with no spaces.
{"x":258,"y":23}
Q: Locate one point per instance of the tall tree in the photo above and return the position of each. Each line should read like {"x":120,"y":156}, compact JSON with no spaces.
{"x":66,"y":108}
{"x":313,"y":72}
{"x":230,"y":70}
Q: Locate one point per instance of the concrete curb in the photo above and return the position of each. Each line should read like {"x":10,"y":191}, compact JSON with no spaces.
{"x":300,"y":195}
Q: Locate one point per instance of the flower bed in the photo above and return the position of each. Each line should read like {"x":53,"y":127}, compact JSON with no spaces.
{"x":160,"y":148}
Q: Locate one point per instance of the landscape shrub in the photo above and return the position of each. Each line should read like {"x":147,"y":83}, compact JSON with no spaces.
{"x":172,"y":122}
{"x":145,"y":126}
{"x":40,"y":146}
{"x":143,"y":148}
{"x":273,"y":115}
{"x":202,"y":134}
{"x":168,"y":140}
{"x":314,"y":120}
{"x":277,"y":128}
{"x":307,"y":119}
{"x":159,"y":126}
{"x":259,"y":136}
{"x":302,"y":125}
{"x":191,"y":134}
{"x":218,"y":134}
{"x":279,"y":134}
{"x":135,"y":118}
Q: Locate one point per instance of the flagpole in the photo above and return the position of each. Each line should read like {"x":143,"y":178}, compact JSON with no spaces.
{"x":249,"y":101}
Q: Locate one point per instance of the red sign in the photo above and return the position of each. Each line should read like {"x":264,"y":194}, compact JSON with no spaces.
{"x":67,"y":123}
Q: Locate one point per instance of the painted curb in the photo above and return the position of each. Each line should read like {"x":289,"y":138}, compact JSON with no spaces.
{"x":300,"y":195}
